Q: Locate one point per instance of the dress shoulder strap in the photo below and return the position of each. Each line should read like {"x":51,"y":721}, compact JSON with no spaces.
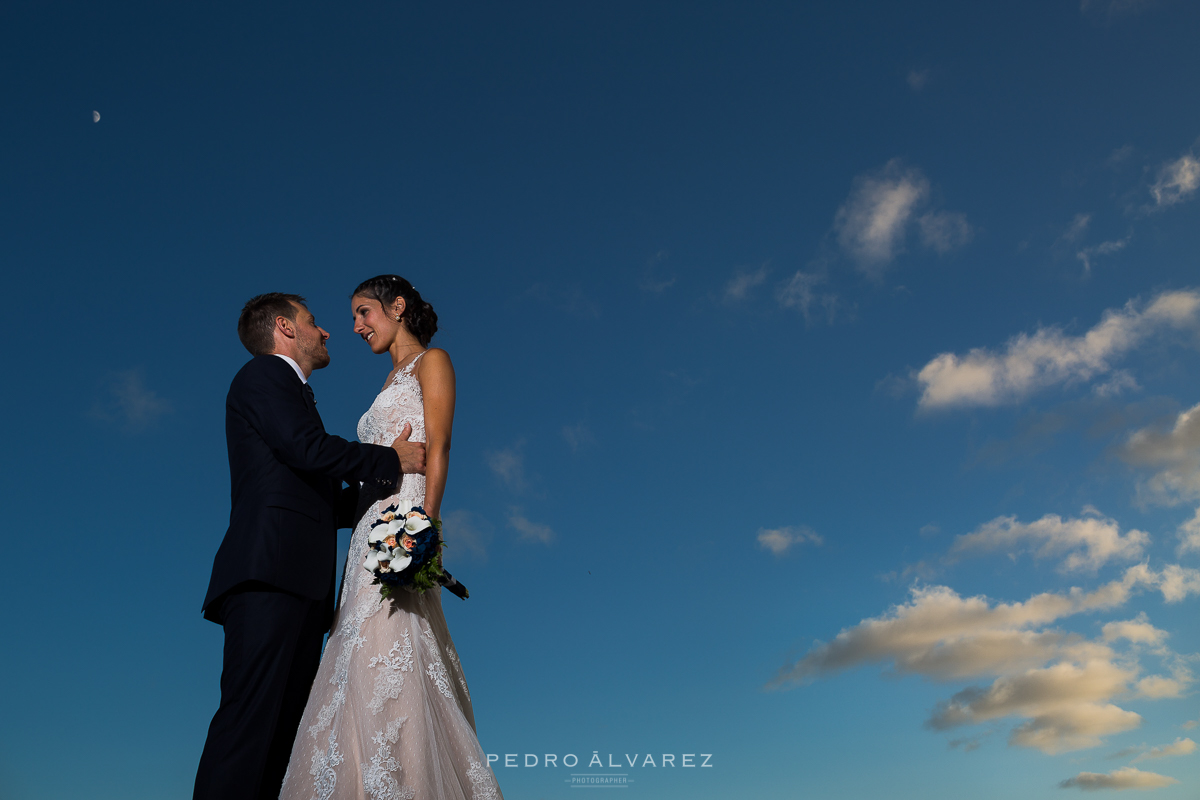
{"x":413,"y":363}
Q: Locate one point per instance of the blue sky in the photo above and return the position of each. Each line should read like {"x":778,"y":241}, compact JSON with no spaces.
{"x":824,"y":373}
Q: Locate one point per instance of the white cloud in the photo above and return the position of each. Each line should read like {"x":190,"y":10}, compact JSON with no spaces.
{"x":871,"y":224}
{"x":1176,"y":455}
{"x":127,"y":400}
{"x":943,"y":231}
{"x":1189,"y":534}
{"x":1062,"y":684}
{"x":1157,"y":687}
{"x":1048,"y":357}
{"x":529,"y":531}
{"x":799,"y":292}
{"x":1176,"y":582}
{"x":1065,"y":705}
{"x":1177,"y":181}
{"x":743,"y":281}
{"x":1191,"y":723}
{"x":1180,"y":747}
{"x":1123,"y":778}
{"x":1088,"y":542}
{"x":508,"y":464}
{"x":780,"y":540}
{"x":944,"y":636}
{"x":1137,"y":630}
{"x":917,"y":78}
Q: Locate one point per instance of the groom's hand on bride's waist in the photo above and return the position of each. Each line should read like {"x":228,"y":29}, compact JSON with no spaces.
{"x":412,"y":454}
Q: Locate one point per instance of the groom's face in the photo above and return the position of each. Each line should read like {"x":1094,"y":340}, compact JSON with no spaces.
{"x":310,"y":339}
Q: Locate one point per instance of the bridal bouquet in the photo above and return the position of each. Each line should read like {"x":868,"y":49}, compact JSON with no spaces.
{"x":404,"y":551}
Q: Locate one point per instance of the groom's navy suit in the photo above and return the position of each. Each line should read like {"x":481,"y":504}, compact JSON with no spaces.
{"x":273,"y":577}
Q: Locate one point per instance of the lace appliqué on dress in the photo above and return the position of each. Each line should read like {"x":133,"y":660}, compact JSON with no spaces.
{"x":324,"y":776}
{"x":483,"y":785}
{"x":462,"y":680}
{"x":378,"y":779}
{"x":389,"y":680}
{"x":435,"y":668}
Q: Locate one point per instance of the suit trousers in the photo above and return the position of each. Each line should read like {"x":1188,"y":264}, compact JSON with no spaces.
{"x":272,"y":651}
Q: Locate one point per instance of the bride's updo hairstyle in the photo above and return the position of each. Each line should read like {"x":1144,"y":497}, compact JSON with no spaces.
{"x":419,"y":317}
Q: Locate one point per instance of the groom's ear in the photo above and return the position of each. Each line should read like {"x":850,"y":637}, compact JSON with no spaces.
{"x":285,"y":326}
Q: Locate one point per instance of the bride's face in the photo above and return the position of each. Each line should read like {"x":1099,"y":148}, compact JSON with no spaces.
{"x":377,"y":328}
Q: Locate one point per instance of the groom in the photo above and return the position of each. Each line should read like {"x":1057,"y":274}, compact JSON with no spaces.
{"x":273,"y":578}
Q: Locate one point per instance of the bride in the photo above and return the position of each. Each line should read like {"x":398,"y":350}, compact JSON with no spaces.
{"x":389,"y":715}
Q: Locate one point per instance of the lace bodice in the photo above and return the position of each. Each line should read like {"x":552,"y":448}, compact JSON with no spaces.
{"x":398,"y":403}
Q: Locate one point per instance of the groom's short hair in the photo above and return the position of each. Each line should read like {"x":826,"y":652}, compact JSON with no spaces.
{"x":256,"y":325}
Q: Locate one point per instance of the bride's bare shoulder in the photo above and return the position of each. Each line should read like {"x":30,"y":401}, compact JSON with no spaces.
{"x":435,"y":364}
{"x":435,"y":357}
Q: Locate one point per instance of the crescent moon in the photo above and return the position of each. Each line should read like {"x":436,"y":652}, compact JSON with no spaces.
{"x":95,"y":116}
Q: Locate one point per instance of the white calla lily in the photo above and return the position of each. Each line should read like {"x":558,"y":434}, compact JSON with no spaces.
{"x":400,"y":563}
{"x":371,"y":562}
{"x":377,"y":534}
{"x":416,"y":524}
{"x":395,"y":526}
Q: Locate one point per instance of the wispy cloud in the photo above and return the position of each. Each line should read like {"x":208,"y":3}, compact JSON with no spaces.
{"x":743,"y":281}
{"x":780,"y":540}
{"x":917,"y":78}
{"x":508,"y":464}
{"x":943,"y":231}
{"x":1177,"y":181}
{"x":1086,"y":254}
{"x":1077,"y":228}
{"x":800,"y":292}
{"x":1049,"y":357}
{"x":1107,"y":10}
{"x":126,"y":400}
{"x":1123,"y":778}
{"x":578,"y":436}
{"x":1087,"y":542}
{"x":467,"y":532}
{"x":527,"y":530}
{"x":1180,"y":747}
{"x":873,"y":224}
{"x":653,"y":279}
{"x":569,"y":299}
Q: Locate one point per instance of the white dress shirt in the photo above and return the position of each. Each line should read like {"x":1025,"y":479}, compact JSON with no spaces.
{"x":295,"y":366}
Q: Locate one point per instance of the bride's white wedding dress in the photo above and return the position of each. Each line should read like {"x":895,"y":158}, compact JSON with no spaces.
{"x":389,"y":715}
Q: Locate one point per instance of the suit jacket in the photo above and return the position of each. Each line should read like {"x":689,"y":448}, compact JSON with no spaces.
{"x":286,"y":478}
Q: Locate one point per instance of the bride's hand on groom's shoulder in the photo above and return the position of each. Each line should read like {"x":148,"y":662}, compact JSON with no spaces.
{"x":412,"y":454}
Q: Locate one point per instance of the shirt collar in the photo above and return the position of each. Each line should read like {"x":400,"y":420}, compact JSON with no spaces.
{"x":294,"y":365}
